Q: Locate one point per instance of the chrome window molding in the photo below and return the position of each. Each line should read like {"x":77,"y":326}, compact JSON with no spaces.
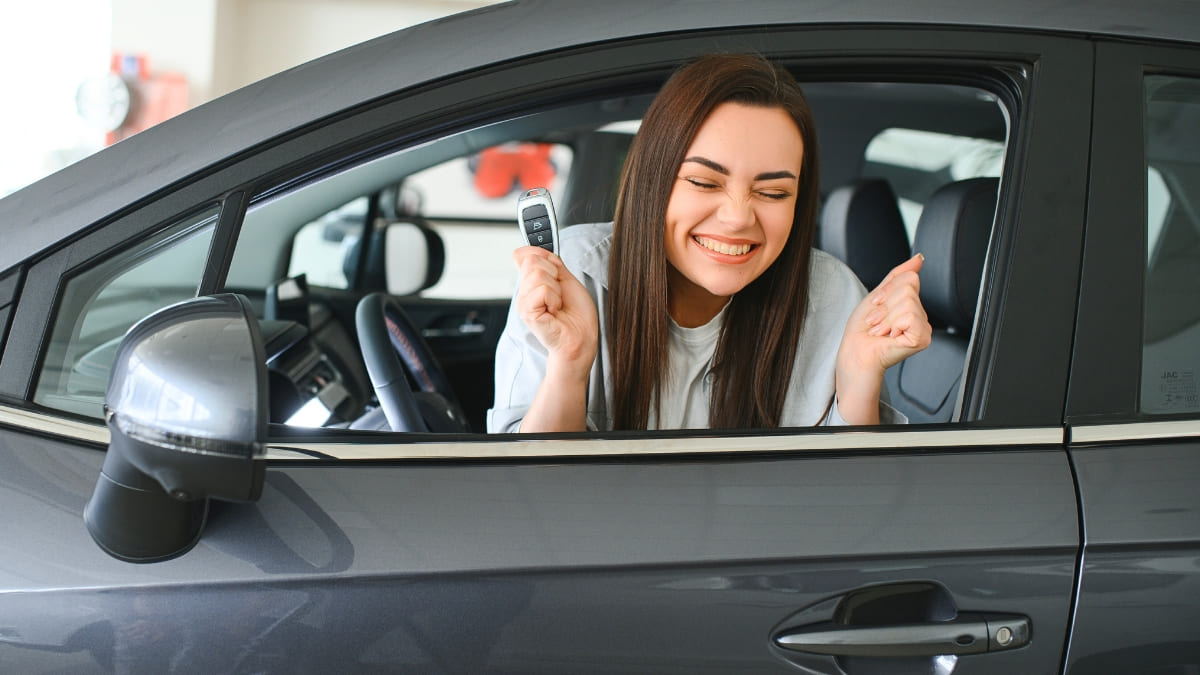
{"x":1134,"y":431}
{"x":518,"y":447}
{"x":53,"y":425}
{"x":896,"y":438}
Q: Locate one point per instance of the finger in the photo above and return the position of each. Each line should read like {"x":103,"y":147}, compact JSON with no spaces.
{"x":532,"y":270}
{"x":537,"y":279}
{"x":903,"y":312}
{"x":899,"y":288}
{"x":913,"y":264}
{"x":912,"y":328}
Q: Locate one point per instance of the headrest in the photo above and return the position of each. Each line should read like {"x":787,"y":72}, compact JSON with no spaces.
{"x":862,"y":226}
{"x":953,"y":235}
{"x":415,"y":257}
{"x":405,"y":257}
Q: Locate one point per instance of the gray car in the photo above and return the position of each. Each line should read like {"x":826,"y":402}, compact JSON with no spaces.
{"x":207,"y":330}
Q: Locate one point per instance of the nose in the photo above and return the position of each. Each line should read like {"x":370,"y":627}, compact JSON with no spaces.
{"x":735,"y":213}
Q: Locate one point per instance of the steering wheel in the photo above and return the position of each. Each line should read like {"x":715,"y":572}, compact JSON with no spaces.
{"x":395,"y":353}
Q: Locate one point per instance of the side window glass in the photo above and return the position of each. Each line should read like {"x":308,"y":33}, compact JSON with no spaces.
{"x":917,"y":163}
{"x":1171,"y":330}
{"x":323,"y":248}
{"x":100,"y":304}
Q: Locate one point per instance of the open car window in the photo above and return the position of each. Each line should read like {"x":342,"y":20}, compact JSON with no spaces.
{"x":320,"y":226}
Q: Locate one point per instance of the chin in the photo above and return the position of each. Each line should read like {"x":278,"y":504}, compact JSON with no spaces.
{"x":725,"y":290}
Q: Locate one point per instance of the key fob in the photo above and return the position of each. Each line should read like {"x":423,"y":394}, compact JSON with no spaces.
{"x":536,"y":218}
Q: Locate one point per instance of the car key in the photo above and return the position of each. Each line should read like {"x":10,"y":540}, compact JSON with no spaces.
{"x":536,"y":218}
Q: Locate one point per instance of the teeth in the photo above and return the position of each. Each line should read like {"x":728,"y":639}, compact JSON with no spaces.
{"x":727,"y":249}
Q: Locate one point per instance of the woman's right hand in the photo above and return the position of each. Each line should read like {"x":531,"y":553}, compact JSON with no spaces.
{"x":558,"y":311}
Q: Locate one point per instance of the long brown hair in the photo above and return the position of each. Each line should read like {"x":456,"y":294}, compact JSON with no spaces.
{"x":763,"y":321}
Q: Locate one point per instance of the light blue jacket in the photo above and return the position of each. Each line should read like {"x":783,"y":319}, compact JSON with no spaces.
{"x":834,"y":292}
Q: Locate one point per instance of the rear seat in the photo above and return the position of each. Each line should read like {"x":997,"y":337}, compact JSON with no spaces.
{"x":862,"y":226}
{"x":953,"y":235}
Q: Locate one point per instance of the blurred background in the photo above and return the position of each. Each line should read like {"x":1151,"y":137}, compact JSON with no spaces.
{"x":82,"y":74}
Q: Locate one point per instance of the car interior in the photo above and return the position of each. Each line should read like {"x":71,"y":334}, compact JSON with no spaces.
{"x":383,"y":283}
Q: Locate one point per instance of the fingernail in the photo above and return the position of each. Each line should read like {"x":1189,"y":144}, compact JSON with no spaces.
{"x":921,"y":255}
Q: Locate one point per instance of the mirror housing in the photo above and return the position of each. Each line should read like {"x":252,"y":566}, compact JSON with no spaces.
{"x":186,"y":408}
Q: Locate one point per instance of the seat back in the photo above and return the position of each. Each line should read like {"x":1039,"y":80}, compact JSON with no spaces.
{"x":953,"y":235}
{"x":861,"y":225}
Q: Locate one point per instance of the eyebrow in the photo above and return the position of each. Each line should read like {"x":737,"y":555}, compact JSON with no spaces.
{"x":766,"y":175}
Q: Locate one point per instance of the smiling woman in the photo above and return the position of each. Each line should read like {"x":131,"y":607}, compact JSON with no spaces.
{"x":1048,"y":490}
{"x":731,"y":207}
{"x":707,"y":283}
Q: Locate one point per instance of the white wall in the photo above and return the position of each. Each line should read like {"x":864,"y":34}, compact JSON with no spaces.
{"x":220,"y":45}
{"x":175,"y":36}
{"x":49,"y":47}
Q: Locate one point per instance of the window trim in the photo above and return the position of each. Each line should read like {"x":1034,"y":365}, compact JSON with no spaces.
{"x":969,"y":53}
{"x":1110,"y":320}
{"x":519,"y":447}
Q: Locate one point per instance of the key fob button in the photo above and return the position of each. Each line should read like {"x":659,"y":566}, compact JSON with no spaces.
{"x":535,"y":211}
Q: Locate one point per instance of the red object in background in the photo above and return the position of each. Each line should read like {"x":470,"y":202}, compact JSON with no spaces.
{"x":154,"y":97}
{"x":504,"y":167}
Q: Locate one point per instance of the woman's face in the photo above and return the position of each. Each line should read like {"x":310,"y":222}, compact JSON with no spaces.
{"x":731,"y":207}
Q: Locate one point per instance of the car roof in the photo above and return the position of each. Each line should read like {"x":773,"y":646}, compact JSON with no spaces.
{"x":60,"y":205}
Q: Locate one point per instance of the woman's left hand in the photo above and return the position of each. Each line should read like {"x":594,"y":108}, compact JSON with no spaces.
{"x":888,"y":326}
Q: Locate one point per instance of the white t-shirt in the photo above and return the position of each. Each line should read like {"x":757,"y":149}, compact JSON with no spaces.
{"x":688,"y":383}
{"x":834,"y":291}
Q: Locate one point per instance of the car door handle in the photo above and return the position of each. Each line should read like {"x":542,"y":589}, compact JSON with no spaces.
{"x":969,"y":633}
{"x":468,"y":326}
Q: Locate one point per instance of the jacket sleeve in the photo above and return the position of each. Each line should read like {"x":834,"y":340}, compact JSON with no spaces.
{"x":520,"y":369}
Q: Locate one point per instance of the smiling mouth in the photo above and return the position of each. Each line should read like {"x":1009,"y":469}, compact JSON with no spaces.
{"x":723,"y":248}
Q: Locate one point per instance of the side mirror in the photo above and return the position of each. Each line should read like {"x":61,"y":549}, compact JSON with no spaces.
{"x":414,"y":257}
{"x":186,"y":408}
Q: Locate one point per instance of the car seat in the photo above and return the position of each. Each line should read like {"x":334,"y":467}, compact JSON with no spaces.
{"x":952,"y":233}
{"x":425,"y":253}
{"x":861,"y":225}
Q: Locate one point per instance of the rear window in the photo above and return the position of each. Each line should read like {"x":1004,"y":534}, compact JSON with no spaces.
{"x":1171,"y":323}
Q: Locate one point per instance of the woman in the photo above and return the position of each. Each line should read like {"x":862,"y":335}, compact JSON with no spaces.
{"x":714,"y":310}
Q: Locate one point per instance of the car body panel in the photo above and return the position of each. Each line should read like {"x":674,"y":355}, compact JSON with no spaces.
{"x":1137,"y":476}
{"x":557,"y":562}
{"x":1140,"y":573}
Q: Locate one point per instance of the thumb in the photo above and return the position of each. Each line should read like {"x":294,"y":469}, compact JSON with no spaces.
{"x":913,"y":264}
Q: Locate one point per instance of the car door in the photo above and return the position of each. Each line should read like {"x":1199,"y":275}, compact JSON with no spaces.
{"x":1133,"y":407}
{"x":928,"y":548}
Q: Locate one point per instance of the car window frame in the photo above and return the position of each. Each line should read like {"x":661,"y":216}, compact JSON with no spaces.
{"x":82,"y":288}
{"x":1052,"y":63}
{"x":1104,"y":394}
{"x":45,"y":281}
